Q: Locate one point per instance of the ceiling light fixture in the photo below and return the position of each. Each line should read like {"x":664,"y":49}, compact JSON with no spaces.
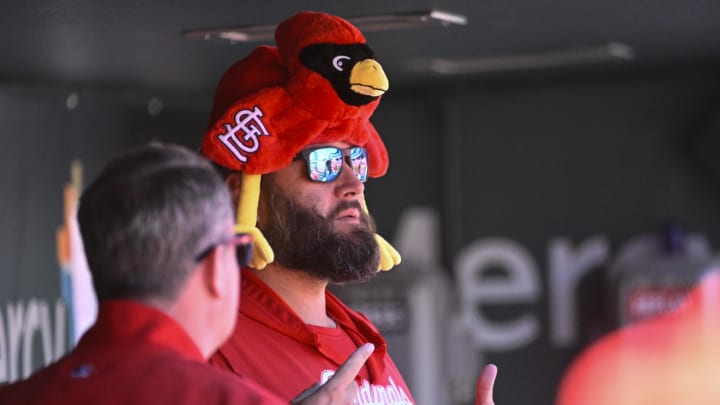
{"x":258,"y":33}
{"x":611,"y":52}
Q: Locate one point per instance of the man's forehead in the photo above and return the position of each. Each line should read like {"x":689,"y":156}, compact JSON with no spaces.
{"x":341,"y":145}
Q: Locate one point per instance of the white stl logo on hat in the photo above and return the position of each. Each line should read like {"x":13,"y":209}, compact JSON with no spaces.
{"x":249,"y":122}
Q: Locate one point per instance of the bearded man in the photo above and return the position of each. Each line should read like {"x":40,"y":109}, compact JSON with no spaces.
{"x":290,"y":130}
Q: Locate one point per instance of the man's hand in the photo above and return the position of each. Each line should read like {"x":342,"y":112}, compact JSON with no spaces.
{"x":340,"y":389}
{"x":484,"y":386}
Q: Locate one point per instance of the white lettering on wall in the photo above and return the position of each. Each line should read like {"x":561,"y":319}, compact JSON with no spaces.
{"x":15,"y":330}
{"x":567,"y":267}
{"x":25,"y":321}
{"x":516,"y":280}
{"x":520,"y":284}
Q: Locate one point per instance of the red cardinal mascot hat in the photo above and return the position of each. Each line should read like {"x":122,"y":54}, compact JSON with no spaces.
{"x":320,"y":84}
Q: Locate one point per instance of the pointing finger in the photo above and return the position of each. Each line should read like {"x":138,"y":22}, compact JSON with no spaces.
{"x":484,"y":386}
{"x":349,"y":370}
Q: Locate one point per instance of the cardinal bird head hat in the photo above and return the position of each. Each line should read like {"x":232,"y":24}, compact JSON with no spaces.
{"x":320,"y":84}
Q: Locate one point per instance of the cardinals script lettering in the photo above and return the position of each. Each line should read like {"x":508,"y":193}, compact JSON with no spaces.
{"x":249,"y":122}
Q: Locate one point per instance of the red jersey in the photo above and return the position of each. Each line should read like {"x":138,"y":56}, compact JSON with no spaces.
{"x":273,"y":346}
{"x":134,"y":354}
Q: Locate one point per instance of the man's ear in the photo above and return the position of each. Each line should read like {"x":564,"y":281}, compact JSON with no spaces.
{"x":234,"y":181}
{"x":213,"y":274}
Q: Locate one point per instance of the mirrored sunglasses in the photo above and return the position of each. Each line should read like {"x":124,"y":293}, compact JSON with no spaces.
{"x":325,"y":163}
{"x":243,"y":248}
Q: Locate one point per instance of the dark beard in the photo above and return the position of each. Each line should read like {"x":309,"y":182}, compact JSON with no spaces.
{"x":304,"y":240}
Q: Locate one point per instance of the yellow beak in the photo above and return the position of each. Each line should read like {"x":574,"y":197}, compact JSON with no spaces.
{"x":367,"y":77}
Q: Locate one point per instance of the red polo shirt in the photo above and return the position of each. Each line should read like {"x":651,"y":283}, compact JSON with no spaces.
{"x":134,"y":354}
{"x":273,"y":346}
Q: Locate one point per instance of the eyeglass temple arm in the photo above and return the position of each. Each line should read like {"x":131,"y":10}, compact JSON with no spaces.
{"x":389,"y":256}
{"x":247,"y":220}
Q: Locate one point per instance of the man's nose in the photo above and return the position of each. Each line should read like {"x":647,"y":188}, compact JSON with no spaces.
{"x":348,"y":183}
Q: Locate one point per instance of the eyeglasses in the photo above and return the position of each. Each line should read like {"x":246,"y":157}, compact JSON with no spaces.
{"x":325,"y":163}
{"x":243,"y":248}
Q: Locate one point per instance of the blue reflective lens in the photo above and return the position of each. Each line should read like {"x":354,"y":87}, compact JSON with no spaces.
{"x":359,"y":162}
{"x":326,"y":162}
